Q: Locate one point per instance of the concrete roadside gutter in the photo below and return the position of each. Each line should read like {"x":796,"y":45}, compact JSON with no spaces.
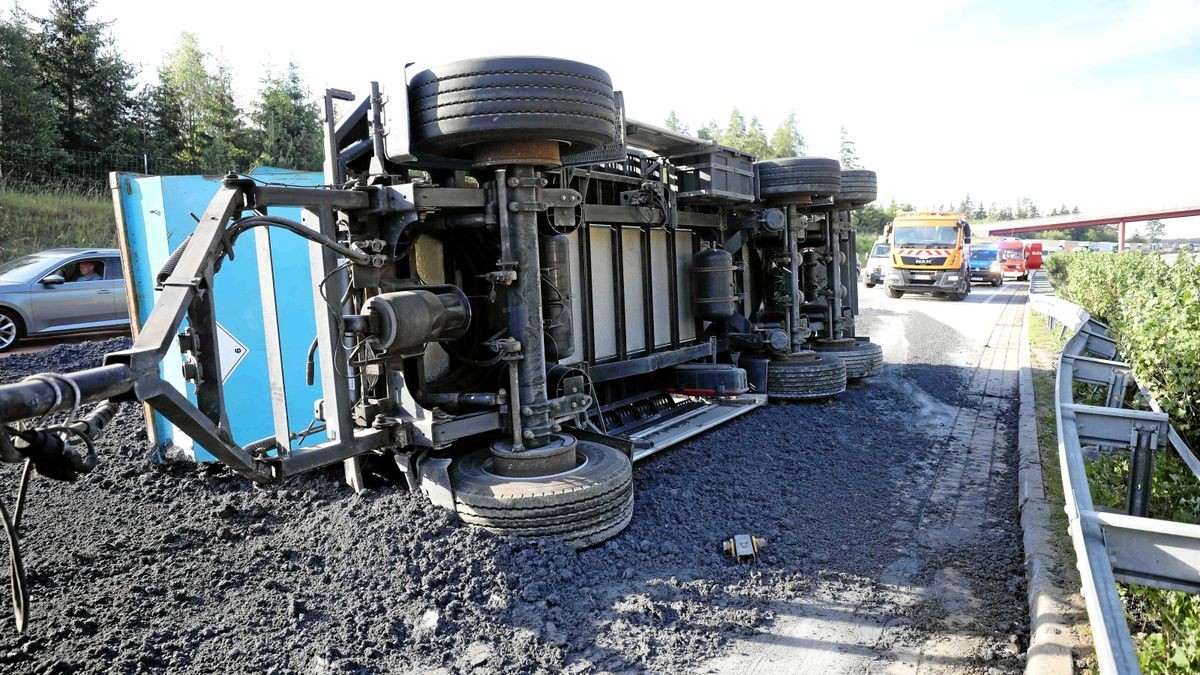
{"x":1049,"y":638}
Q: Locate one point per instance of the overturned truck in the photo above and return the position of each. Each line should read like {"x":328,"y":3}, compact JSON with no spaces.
{"x":519,"y":294}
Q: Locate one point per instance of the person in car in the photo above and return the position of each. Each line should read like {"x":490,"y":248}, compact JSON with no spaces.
{"x":87,"y":271}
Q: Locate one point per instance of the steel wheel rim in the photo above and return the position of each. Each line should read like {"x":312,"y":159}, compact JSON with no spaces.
{"x":8,"y":331}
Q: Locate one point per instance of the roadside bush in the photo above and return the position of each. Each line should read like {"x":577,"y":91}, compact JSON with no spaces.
{"x":1056,"y":269}
{"x":1154,"y":310}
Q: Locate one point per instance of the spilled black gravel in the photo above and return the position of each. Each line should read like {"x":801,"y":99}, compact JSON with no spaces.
{"x":177,"y":568}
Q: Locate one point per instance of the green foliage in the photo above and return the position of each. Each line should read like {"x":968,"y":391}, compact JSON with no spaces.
{"x":751,"y":137}
{"x":28,"y":128}
{"x":211,"y":132}
{"x":787,"y":141}
{"x":1154,"y":230}
{"x":1165,"y":624}
{"x":849,"y":153}
{"x":288,"y":123}
{"x":88,"y":82}
{"x":1056,"y":268}
{"x":672,"y":122}
{"x":34,"y":222}
{"x":870,"y":220}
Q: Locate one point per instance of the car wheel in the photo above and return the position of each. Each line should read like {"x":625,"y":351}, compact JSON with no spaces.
{"x":870,"y":285}
{"x":997,"y":282}
{"x":893,"y":293}
{"x":11,"y":330}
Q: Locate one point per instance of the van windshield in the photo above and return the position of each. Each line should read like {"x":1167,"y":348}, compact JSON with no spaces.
{"x":880,"y":251}
{"x":926,"y":235}
{"x":983,"y":254}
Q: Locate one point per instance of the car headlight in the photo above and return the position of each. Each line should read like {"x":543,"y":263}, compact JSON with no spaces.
{"x":995,"y":267}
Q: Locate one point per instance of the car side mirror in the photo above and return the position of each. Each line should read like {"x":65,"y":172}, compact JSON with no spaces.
{"x":53,"y":280}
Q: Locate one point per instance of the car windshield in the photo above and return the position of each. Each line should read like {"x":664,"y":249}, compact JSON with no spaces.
{"x":983,"y":254}
{"x":925,"y":236}
{"x":23,"y":269}
{"x":880,"y":251}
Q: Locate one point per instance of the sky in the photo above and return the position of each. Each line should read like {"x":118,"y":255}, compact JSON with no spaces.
{"x":1092,"y":104}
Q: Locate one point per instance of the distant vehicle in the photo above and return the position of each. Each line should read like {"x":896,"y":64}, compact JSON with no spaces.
{"x":984,"y":265}
{"x":1033,"y":256}
{"x":929,"y":255}
{"x":1012,"y":259}
{"x":877,"y":262}
{"x":61,"y":290}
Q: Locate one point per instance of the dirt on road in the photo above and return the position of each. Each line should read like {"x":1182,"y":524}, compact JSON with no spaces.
{"x":880,"y":515}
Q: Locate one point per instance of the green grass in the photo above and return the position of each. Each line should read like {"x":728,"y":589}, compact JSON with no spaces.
{"x":33,"y":221}
{"x":1044,"y":346}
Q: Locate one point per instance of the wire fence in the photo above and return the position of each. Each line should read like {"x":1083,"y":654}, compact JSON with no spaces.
{"x":86,"y":172}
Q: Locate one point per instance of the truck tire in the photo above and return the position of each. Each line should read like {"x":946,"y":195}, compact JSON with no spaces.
{"x":11,"y":330}
{"x":582,"y":507}
{"x":862,"y":359}
{"x":799,"y":177}
{"x":805,"y":375}
{"x":510,"y":98}
{"x":893,"y":293}
{"x":859,"y":187}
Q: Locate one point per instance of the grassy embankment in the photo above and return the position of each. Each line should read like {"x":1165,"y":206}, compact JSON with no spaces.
{"x":33,"y":221}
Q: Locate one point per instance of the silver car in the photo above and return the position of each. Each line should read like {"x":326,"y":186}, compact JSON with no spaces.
{"x":61,"y":290}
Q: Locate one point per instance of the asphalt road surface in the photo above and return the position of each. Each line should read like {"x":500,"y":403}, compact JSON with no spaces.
{"x":890,"y":515}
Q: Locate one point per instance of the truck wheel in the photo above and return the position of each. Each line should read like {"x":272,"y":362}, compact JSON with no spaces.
{"x":11,"y":330}
{"x":893,"y":293}
{"x":862,"y":359}
{"x":805,"y":375}
{"x":859,"y":187}
{"x":582,"y":507}
{"x":510,"y":98}
{"x":799,"y":177}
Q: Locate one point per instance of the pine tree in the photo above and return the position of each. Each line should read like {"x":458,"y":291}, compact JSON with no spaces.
{"x":709,"y":132}
{"x":756,"y":142}
{"x":734,"y":135}
{"x":288,"y":123}
{"x":787,"y":141}
{"x":89,"y":83}
{"x":29,"y":136}
{"x":849,"y":154}
{"x":675,"y":124}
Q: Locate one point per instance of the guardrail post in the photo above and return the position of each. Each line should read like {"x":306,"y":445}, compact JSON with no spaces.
{"x":1141,"y":473}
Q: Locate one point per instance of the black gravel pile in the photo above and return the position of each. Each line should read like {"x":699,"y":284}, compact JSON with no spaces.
{"x":141,"y":567}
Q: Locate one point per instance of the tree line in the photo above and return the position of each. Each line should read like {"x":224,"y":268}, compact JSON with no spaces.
{"x":70,"y":105}
{"x":785,"y":141}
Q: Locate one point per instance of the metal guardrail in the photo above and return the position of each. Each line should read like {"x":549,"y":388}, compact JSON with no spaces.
{"x":1114,"y":547}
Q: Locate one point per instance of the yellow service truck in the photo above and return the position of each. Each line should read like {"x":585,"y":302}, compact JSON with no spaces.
{"x":929,"y":253}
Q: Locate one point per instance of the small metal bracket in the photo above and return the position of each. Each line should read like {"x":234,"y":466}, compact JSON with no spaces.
{"x":743,"y":547}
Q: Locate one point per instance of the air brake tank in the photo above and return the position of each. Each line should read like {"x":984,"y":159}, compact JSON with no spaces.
{"x":712,"y":284}
{"x":556,"y":296}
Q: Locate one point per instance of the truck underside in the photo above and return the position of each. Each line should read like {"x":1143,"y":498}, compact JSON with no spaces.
{"x":518,"y":293}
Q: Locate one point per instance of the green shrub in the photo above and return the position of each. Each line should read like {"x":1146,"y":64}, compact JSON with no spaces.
{"x":1165,"y":624}
{"x":1056,"y":270}
{"x":36,"y":220}
{"x":1154,"y":310}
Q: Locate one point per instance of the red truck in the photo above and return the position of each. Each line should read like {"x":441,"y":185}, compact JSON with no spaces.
{"x":1017,"y":258}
